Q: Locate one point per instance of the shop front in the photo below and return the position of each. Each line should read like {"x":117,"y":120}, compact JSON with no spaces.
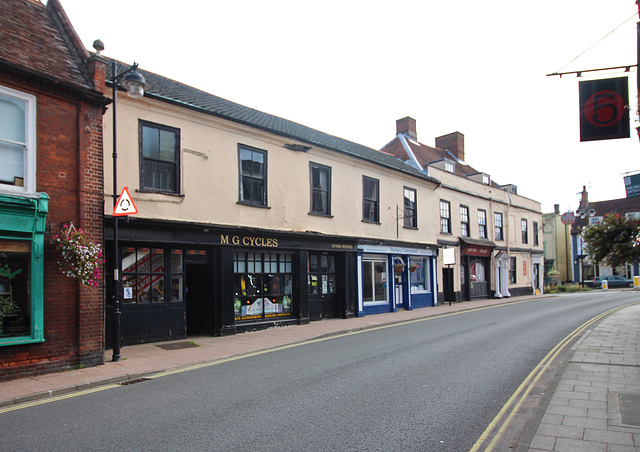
{"x":394,"y":277}
{"x":184,"y":280}
{"x":475,"y":269}
{"x":22,"y":228}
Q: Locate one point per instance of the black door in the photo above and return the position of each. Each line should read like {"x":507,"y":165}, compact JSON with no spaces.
{"x":199,"y":298}
{"x":447,"y":283}
{"x":323,"y":300}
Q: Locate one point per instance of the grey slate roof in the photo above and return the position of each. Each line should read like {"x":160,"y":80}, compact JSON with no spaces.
{"x":168,"y":90}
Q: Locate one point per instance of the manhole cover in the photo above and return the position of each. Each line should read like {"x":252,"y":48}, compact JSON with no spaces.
{"x":176,"y":345}
{"x":630,"y":408}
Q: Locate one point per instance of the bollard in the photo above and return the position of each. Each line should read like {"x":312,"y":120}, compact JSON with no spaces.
{"x":605,"y":284}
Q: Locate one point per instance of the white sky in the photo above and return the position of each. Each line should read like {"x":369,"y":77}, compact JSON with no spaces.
{"x":351,"y":68}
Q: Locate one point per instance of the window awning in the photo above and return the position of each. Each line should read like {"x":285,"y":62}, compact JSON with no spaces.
{"x":474,"y":247}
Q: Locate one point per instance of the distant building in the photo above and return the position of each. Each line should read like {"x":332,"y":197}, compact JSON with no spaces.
{"x":584,"y":269}
{"x":490,"y":234}
{"x":557,"y":248}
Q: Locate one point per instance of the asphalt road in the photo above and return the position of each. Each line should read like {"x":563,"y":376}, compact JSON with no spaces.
{"x":430,"y":385}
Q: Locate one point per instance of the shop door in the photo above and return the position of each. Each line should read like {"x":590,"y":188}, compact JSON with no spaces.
{"x":447,"y":285}
{"x":323,"y":302}
{"x":398,"y":268}
{"x":479,"y":286}
{"x":198,"y":300}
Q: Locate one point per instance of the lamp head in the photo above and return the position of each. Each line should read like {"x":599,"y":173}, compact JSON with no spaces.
{"x":135,"y":84}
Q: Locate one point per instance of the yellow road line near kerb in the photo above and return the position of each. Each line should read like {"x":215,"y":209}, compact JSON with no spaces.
{"x":55,"y":398}
{"x":517,"y":399}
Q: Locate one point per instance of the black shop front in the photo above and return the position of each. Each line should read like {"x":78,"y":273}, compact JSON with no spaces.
{"x":182,"y":280}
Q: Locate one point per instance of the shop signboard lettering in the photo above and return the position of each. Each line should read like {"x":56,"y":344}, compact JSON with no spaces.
{"x":248,"y":241}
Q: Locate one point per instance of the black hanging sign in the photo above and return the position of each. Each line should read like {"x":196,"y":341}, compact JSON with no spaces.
{"x":604,"y":112}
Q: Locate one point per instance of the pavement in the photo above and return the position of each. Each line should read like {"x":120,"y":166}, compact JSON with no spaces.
{"x":595,"y":405}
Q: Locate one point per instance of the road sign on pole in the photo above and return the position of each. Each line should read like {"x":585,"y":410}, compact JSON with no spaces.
{"x":125,"y":205}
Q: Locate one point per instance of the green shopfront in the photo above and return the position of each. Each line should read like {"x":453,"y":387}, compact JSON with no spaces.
{"x":22,"y":228}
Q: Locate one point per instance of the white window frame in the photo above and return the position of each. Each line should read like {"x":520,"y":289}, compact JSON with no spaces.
{"x":29,"y":185}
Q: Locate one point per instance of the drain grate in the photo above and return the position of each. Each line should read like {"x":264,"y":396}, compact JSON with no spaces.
{"x":176,"y":345}
{"x":134,"y":381}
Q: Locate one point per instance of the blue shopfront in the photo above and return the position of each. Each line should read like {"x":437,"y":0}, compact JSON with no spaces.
{"x":393,"y":277}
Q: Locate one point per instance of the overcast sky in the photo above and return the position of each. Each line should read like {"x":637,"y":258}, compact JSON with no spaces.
{"x":352,"y":68}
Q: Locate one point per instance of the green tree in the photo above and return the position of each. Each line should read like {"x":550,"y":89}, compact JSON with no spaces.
{"x":614,"y":242}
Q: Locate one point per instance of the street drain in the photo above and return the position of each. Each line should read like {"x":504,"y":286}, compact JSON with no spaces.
{"x":134,"y":381}
{"x":630,"y":408}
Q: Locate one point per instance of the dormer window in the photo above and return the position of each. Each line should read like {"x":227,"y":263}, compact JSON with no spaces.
{"x":486,"y":179}
{"x":448,"y":166}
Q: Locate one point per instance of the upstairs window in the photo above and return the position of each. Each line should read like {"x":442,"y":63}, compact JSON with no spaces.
{"x":370,"y":200}
{"x":497,"y":220}
{"x":159,"y":158}
{"x":253,"y":176}
{"x":445,"y":217}
{"x":482,"y":223}
{"x":410,"y":208}
{"x":320,"y":189}
{"x":525,"y":231}
{"x":464,"y":221}
{"x":536,"y":241}
{"x":17,"y":141}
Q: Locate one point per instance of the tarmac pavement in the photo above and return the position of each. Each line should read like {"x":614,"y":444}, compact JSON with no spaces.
{"x":595,"y":406}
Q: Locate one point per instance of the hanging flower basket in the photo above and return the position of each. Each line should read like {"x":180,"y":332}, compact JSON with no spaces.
{"x":78,"y":257}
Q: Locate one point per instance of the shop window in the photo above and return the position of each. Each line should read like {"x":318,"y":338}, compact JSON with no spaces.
{"x":144,"y":274}
{"x":253,"y":176}
{"x":17,"y":141}
{"x":477,"y":272}
{"x":15,"y":288}
{"x":374,"y":280}
{"x":263,"y":285}
{"x":419,"y":274}
{"x":321,"y":269}
{"x":370,"y":200}
{"x":320,"y":189}
{"x":159,"y":158}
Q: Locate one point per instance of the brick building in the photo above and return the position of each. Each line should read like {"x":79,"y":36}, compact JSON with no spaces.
{"x":51,"y":104}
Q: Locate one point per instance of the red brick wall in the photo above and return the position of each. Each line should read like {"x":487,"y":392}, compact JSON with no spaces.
{"x":69,"y":170}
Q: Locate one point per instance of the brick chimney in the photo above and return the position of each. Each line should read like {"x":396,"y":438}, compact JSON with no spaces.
{"x":453,"y":142}
{"x":556,"y":209}
{"x":584,"y":198}
{"x":407,"y":126}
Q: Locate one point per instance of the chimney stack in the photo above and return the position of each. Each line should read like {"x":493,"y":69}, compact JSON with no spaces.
{"x":584,"y":198}
{"x":556,"y":208}
{"x":407,"y":126}
{"x":454,"y":143}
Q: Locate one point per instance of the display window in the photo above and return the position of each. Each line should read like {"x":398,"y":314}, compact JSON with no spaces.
{"x":15,"y":284}
{"x":374,"y":280}
{"x":419,"y":274}
{"x":263,"y":285}
{"x":144,"y":275}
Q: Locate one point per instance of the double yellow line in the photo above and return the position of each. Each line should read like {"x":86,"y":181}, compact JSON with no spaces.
{"x":504,"y":417}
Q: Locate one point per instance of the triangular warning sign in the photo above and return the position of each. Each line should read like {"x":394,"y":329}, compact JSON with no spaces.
{"x":125,"y":205}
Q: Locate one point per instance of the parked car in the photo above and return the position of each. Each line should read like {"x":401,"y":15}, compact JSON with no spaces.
{"x":612,"y":281}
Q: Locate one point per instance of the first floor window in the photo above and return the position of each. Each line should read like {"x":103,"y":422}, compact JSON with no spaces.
{"x":145,"y":278}
{"x":497,"y":220}
{"x":410,"y":208}
{"x":263,"y":285}
{"x":445,"y":217}
{"x":464,"y":221}
{"x":419,"y":274}
{"x":536,"y":240}
{"x":525,"y":231}
{"x":370,"y":199}
{"x":320,"y":189}
{"x":159,"y":158}
{"x":253,"y":176}
{"x":17,"y":140}
{"x":15,"y":288}
{"x":374,"y":280}
{"x":482,"y":223}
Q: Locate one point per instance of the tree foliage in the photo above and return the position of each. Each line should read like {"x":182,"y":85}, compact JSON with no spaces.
{"x":614,"y":242}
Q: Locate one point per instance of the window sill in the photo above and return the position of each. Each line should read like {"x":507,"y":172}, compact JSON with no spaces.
{"x":156,"y":192}
{"x":318,"y":214}
{"x":415,"y":228}
{"x":371,"y":222}
{"x":248,"y":204}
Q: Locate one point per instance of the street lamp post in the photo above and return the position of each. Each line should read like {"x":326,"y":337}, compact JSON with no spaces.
{"x":135,"y":85}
